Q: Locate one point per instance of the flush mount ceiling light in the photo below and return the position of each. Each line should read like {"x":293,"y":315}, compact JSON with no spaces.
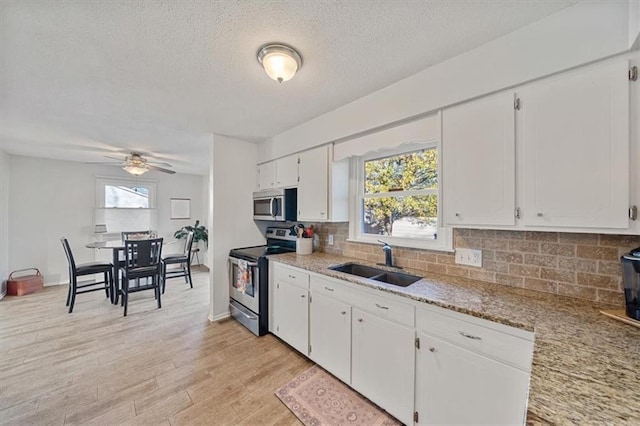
{"x":280,"y":62}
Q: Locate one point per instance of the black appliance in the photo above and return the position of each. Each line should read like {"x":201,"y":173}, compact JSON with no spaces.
{"x":249,"y":295}
{"x":631,"y":278}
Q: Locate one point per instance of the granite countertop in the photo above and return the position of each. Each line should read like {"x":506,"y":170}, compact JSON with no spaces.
{"x":586,"y":367}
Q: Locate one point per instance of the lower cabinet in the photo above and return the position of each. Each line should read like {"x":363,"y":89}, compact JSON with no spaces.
{"x":330,"y":335}
{"x":382,"y":363}
{"x":455,"y":386}
{"x":460,"y":370}
{"x":292,"y":315}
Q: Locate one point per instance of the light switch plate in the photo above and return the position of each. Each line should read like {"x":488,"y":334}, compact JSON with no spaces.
{"x":330,"y":239}
{"x":470,"y":257}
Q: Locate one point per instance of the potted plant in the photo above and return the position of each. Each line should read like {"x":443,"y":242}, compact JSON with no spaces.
{"x":199,"y":233}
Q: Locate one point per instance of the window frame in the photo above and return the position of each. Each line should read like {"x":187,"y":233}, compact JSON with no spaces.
{"x":444,"y":242}
{"x":102,"y":182}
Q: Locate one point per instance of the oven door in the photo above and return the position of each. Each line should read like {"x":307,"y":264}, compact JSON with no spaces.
{"x":244,"y":286}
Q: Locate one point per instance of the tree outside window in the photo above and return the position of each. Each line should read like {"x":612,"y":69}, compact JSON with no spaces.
{"x":400,"y":196}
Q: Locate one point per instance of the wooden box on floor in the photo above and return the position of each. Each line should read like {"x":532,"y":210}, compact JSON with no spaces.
{"x":18,"y":286}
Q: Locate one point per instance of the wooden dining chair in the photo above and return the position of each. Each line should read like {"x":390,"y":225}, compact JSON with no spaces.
{"x":183,"y":259}
{"x":142,"y":260}
{"x":85,"y":269}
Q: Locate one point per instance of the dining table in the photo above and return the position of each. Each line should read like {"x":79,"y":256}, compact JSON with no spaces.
{"x":116,"y":247}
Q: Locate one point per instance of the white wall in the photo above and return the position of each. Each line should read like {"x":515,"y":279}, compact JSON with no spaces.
{"x":50,"y":199}
{"x":634,"y":24}
{"x":577,"y":35}
{"x":4,"y":221}
{"x":234,"y":180}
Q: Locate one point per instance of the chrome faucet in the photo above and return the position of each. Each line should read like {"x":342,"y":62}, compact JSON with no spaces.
{"x":388,"y":257}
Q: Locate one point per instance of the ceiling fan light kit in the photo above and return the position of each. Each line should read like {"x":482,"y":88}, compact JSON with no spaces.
{"x":280,"y":62}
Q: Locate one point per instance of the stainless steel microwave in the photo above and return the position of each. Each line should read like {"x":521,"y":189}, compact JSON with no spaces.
{"x":276,"y":205}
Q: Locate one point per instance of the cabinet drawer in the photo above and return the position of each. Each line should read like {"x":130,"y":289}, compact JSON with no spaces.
{"x":331,"y":289}
{"x":388,"y":308}
{"x":478,"y":335}
{"x":293,"y":276}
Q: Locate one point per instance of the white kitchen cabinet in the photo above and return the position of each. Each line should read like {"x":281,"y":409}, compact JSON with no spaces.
{"x":382,"y":363}
{"x":323,"y":186}
{"x":292,"y":315}
{"x":574,"y":133}
{"x":287,"y":172}
{"x":267,"y":175}
{"x":330,"y":335}
{"x":478,"y":144}
{"x":456,"y":387}
{"x":470,"y":370}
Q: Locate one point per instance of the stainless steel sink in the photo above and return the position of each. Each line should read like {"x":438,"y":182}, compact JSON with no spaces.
{"x":394,"y":278}
{"x":397,"y":278}
{"x":357,"y":269}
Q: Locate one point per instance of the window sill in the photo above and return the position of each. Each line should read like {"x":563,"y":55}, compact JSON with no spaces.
{"x":406,"y":243}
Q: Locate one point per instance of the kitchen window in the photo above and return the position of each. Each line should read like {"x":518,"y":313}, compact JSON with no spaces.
{"x":397,"y":198}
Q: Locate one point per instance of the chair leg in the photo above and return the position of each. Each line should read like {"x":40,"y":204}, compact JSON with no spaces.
{"x":156,"y":281}
{"x":73,"y":284}
{"x":164,"y":277}
{"x":125,"y":295}
{"x":189,"y":274}
{"x":106,"y":283}
{"x":69,"y":293}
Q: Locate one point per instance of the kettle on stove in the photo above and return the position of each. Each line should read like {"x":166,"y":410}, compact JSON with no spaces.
{"x":631,"y":278}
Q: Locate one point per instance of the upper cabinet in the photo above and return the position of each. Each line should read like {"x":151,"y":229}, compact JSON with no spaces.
{"x":479,"y":162}
{"x":287,"y":172}
{"x":267,"y":175}
{"x":552,"y":155}
{"x":323,"y":186}
{"x":575,"y":150}
{"x":281,"y":173}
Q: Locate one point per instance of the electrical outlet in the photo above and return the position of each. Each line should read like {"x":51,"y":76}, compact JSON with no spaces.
{"x":330,"y":239}
{"x":469,"y":257}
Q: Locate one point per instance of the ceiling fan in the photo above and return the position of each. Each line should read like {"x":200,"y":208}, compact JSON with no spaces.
{"x":137,"y":165}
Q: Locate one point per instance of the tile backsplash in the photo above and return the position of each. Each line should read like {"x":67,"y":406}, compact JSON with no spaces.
{"x":585,"y":266}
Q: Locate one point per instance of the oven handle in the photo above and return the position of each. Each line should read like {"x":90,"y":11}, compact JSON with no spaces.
{"x":234,"y":260}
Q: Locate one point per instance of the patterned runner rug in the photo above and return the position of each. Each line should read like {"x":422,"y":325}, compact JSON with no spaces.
{"x":317,"y":398}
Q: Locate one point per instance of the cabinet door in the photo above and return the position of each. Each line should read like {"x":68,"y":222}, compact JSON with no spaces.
{"x":455,"y":387}
{"x":382,"y":364}
{"x":267,"y":175}
{"x":314,"y":184}
{"x":478,"y":144}
{"x":287,"y":172}
{"x":575,"y":138}
{"x":330,"y":335}
{"x":292,"y":315}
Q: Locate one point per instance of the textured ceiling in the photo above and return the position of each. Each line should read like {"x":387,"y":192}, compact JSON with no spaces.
{"x":83,"y":78}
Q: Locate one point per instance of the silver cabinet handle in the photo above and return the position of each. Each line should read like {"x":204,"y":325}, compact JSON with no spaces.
{"x":292,"y":276}
{"x":539,"y":215}
{"x":432,"y":349}
{"x":343,"y":313}
{"x":360,"y":320}
{"x":328,"y":288}
{"x":382,"y":307}
{"x":469,"y":336}
{"x":303,"y":296}
{"x":457,"y":214}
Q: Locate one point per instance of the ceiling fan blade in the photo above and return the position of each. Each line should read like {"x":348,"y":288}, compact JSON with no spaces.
{"x":160,"y":169}
{"x":159,"y":163}
{"x":104,"y":163}
{"x":113,"y":158}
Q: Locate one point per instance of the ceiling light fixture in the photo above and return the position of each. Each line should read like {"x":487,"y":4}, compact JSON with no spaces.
{"x":136,"y":165}
{"x":280,"y":62}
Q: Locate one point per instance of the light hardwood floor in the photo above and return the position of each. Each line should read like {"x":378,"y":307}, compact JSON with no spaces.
{"x":169,"y":366}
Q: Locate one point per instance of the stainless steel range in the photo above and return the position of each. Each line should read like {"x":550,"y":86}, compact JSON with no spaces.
{"x":249,"y":279}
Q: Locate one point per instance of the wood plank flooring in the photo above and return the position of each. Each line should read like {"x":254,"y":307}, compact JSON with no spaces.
{"x":169,"y":366}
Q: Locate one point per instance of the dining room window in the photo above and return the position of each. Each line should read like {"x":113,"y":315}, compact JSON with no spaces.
{"x":125,"y":204}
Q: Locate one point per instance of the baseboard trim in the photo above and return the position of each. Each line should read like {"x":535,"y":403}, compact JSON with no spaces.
{"x":219,"y":317}
{"x":3,"y":294}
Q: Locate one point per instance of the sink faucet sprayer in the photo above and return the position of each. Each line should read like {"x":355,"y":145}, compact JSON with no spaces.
{"x":388,"y":257}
